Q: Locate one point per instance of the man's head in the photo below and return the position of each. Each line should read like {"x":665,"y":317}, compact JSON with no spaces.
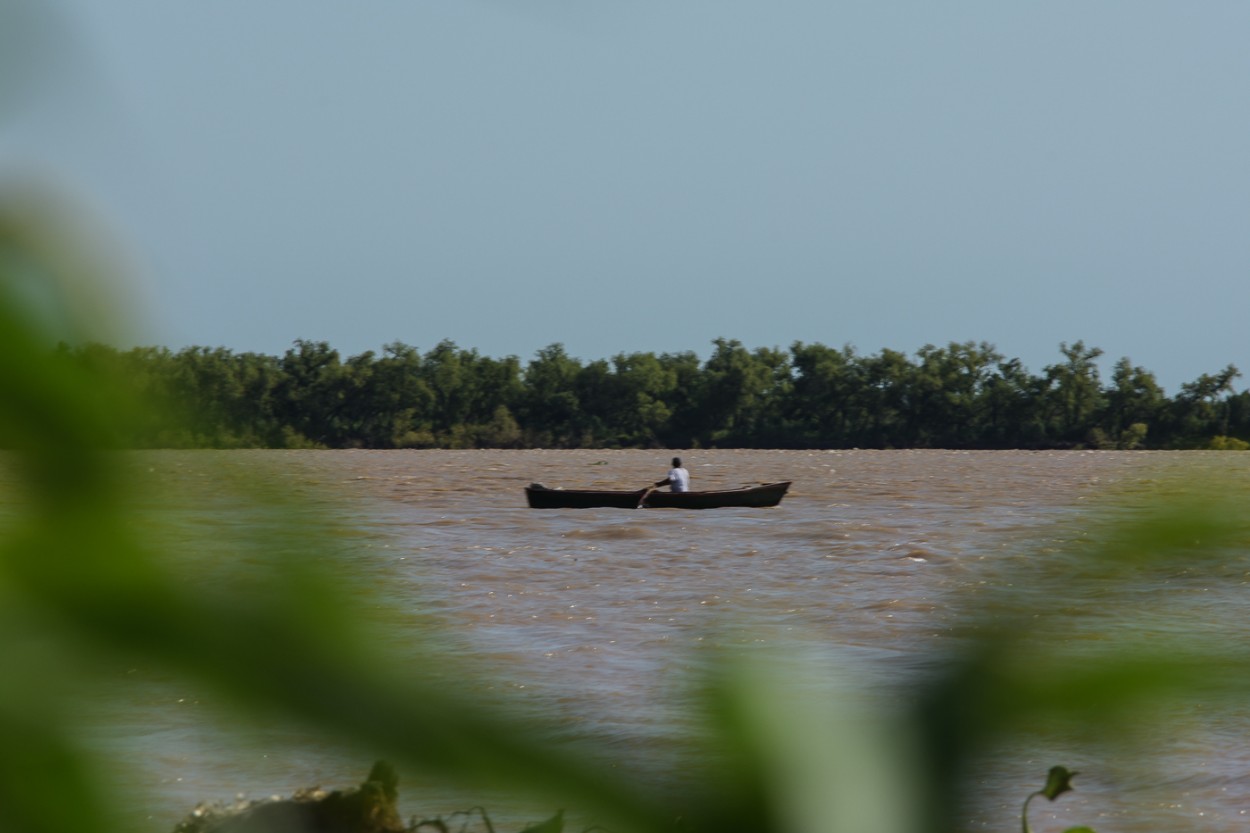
{"x":676,"y":462}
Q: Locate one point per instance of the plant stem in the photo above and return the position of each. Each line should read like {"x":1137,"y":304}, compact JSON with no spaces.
{"x":1024,"y":814}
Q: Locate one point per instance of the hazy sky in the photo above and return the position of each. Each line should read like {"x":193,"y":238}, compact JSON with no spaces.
{"x":637,"y":175}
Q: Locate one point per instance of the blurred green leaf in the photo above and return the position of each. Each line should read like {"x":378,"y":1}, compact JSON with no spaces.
{"x":1058,"y":782}
{"x":555,"y":824}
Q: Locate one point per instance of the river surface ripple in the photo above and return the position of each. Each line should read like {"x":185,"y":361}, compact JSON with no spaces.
{"x":594,"y":619}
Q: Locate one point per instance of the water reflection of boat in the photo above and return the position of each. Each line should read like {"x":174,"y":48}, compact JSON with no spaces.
{"x":767,"y":494}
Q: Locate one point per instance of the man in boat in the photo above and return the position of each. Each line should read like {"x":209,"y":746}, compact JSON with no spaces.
{"x":678,"y":479}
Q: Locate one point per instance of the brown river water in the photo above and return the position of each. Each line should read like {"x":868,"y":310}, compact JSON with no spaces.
{"x":874,"y":565}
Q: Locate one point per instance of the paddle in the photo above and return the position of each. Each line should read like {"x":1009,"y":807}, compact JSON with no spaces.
{"x":646,"y":493}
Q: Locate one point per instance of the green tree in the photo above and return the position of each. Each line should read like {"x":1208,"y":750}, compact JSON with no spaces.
{"x":647,"y":385}
{"x":1202,"y":409}
{"x":599,"y":397}
{"x":147,"y":372}
{"x":551,"y":413}
{"x":740,"y":394}
{"x":311,"y":395}
{"x":1239,"y":415}
{"x":824,"y":386}
{"x":882,"y":400}
{"x":683,"y":425}
{"x":471,"y":393}
{"x":397,"y":404}
{"x":1073,"y":396}
{"x":949,"y":395}
{"x":227,"y":398}
{"x":498,"y":394}
{"x":1013,"y":413}
{"x":447,"y":372}
{"x":1135,"y":402}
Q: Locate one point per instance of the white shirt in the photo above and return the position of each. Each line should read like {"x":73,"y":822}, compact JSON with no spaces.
{"x":679,"y":480}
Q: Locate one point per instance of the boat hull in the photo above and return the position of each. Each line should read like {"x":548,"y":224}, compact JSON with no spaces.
{"x":768,"y":494}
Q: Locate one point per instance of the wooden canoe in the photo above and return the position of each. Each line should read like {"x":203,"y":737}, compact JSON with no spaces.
{"x":767,"y":494}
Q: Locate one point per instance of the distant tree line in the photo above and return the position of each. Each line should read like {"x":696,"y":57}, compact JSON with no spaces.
{"x":964,"y":396}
